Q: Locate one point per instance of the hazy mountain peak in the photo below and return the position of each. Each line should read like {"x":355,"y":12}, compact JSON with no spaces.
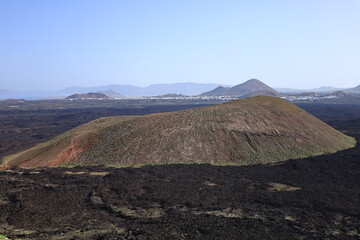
{"x":253,"y":80}
{"x":252,"y":87}
{"x":187,"y":88}
{"x":354,"y":89}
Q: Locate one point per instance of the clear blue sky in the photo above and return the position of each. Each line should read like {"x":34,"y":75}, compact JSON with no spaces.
{"x":49,"y":45}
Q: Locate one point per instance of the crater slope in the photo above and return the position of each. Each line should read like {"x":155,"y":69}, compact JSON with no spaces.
{"x":246,"y":131}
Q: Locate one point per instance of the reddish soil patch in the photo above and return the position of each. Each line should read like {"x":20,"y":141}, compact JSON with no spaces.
{"x":70,"y":153}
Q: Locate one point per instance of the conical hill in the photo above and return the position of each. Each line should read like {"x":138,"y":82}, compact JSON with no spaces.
{"x":250,"y":88}
{"x":246,"y":131}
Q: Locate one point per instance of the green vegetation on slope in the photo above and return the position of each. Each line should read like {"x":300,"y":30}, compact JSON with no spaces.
{"x":248,"y":131}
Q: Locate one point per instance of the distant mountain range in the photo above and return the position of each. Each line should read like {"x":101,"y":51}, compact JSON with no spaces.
{"x":250,"y":88}
{"x":111,"y":93}
{"x":316,"y":90}
{"x":189,"y":89}
{"x":353,"y":90}
{"x":152,"y":90}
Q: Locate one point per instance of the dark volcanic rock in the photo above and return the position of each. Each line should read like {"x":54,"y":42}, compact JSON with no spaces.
{"x":196,"y":201}
{"x":314,"y":198}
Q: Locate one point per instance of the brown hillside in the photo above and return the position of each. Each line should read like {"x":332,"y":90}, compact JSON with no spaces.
{"x":248,"y":131}
{"x":88,"y":96}
{"x":250,"y":88}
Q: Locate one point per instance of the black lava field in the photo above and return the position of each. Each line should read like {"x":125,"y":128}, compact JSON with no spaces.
{"x":312,"y":198}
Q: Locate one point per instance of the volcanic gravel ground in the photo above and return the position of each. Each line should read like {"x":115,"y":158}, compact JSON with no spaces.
{"x":313,"y":198}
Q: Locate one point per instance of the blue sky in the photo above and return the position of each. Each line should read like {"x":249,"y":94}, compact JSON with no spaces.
{"x":50,"y":45}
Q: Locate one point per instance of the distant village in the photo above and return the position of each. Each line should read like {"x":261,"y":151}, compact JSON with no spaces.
{"x":291,"y":98}
{"x":192,"y":92}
